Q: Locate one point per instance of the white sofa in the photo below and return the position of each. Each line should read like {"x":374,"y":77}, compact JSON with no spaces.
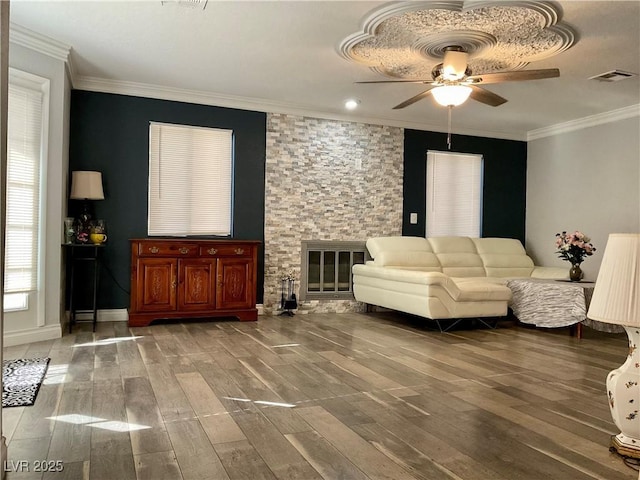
{"x":444,"y":277}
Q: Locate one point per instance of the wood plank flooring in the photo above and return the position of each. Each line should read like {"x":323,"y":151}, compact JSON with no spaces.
{"x":331,"y":396}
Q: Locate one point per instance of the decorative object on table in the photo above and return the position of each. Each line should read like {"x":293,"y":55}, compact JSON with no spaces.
{"x":98,"y":232}
{"x":86,"y":186}
{"x":288,"y":300}
{"x":21,"y":380}
{"x":82,"y":236}
{"x":616,"y":300}
{"x":69,"y":230}
{"x":573,"y":247}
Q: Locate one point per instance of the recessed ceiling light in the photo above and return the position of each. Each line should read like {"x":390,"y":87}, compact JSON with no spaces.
{"x":351,"y":104}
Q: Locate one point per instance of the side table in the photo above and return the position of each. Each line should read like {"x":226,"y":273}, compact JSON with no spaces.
{"x":554,"y":303}
{"x":87,"y":254}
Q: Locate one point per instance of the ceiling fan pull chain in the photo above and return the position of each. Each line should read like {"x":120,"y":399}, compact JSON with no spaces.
{"x":449,"y":128}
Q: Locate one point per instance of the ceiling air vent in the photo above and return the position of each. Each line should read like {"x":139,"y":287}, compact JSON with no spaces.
{"x":612,"y":76}
{"x":200,"y":4}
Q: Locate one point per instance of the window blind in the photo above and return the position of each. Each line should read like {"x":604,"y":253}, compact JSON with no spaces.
{"x":454,"y":194}
{"x":190,"y":180}
{"x":24,"y":137}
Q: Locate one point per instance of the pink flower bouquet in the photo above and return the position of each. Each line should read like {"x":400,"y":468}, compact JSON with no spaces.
{"x":573,"y":247}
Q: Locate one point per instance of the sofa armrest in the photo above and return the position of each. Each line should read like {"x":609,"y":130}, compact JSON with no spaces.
{"x":408,"y":276}
{"x":550,"y":272}
{"x":478,"y":290}
{"x":401,"y":274}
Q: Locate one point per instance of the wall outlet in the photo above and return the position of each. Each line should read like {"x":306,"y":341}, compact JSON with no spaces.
{"x":413,"y":218}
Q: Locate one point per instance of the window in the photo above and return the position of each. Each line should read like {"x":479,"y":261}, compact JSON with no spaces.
{"x":190,"y":180}
{"x":326,"y":269}
{"x":25,"y":120}
{"x":454,"y":194}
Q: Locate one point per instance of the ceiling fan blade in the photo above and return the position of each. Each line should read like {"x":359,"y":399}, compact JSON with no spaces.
{"x":398,"y":81}
{"x":485,"y":96}
{"x":515,"y":75}
{"x":413,"y":100}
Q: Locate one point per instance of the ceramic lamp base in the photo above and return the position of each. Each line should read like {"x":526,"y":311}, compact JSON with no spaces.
{"x":625,"y":446}
{"x":623,"y":392}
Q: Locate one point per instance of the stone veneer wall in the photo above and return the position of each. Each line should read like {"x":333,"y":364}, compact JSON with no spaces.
{"x":326,"y":180}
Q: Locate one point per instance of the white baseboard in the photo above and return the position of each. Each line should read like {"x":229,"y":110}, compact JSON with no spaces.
{"x":105,"y":315}
{"x":260,"y":308}
{"x":38,"y":334}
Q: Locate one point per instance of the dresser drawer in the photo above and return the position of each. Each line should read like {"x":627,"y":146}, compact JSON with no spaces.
{"x":167,"y":249}
{"x":226,"y":250}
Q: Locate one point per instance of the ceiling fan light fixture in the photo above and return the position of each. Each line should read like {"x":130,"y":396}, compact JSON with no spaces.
{"x":451,"y":95}
{"x":454,"y":65}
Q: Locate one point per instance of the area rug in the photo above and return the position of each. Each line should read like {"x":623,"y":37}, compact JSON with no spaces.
{"x":21,"y":380}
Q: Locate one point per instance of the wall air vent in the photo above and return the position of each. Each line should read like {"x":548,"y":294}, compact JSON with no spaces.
{"x":612,"y":76}
{"x":199,"y":4}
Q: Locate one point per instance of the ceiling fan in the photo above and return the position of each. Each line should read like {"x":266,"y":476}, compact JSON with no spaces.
{"x":453,"y":82}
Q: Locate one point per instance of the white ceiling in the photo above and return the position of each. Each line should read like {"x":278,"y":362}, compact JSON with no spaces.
{"x":283,"y":56}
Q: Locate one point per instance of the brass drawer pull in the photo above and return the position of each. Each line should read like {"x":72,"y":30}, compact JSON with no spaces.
{"x":212,"y":251}
{"x":184,"y":250}
{"x":239,"y":251}
{"x":154,"y":249}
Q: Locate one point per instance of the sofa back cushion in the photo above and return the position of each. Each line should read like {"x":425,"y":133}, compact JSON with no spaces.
{"x":409,"y":253}
{"x":503,"y":257}
{"x":409,"y":260}
{"x":457,"y":256}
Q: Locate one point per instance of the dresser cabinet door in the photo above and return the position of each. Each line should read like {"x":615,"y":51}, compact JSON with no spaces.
{"x":197,"y":284}
{"x":235,"y":283}
{"x":156,"y":284}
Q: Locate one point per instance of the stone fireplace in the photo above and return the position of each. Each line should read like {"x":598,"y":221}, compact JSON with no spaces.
{"x":326,"y":180}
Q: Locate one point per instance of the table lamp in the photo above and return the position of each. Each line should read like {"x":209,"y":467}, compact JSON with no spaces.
{"x":616,"y":299}
{"x":86,"y":185}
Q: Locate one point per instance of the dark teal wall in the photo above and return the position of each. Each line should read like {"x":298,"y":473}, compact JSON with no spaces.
{"x":505,"y":180}
{"x":110,"y":133}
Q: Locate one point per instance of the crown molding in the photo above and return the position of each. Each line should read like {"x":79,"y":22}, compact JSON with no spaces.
{"x":135,"y":89}
{"x":24,"y":37}
{"x":590,"y":121}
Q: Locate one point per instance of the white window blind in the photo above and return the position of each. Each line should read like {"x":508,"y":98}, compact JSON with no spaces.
{"x":24,"y":145}
{"x":190,"y":180}
{"x":454,"y":194}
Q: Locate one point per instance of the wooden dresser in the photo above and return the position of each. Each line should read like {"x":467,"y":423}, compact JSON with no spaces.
{"x":181,"y":278}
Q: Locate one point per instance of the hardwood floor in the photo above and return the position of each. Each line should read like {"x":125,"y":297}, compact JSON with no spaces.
{"x":347,"y":396}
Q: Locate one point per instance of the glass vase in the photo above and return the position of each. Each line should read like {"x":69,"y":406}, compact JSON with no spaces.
{"x":575,"y":272}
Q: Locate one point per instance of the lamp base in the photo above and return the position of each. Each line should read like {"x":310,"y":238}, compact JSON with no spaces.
{"x":623,"y":392}
{"x":625,"y":446}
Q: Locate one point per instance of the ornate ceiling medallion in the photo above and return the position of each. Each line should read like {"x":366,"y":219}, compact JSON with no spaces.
{"x":407,"y":39}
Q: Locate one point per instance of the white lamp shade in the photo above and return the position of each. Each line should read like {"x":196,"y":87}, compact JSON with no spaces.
{"x":616,"y":297}
{"x":451,"y":95}
{"x":86,"y":185}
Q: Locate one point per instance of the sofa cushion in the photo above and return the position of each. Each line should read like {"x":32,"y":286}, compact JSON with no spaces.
{"x":458,"y":256}
{"x":503,"y":257}
{"x":510,"y":246}
{"x":497,"y":265}
{"x":375,"y":245}
{"x":452,"y":245}
{"x":410,"y":260}
{"x":408,"y":253}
